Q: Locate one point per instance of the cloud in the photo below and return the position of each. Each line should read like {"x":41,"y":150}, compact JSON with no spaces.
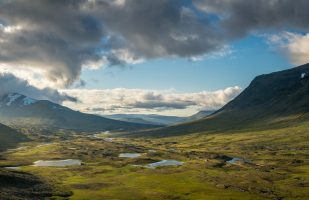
{"x":162,"y":105}
{"x":57,"y":38}
{"x":10,"y":84}
{"x":240,"y":17}
{"x":56,"y":44}
{"x":121,"y":100}
{"x":295,"y":46}
{"x":152,"y":29}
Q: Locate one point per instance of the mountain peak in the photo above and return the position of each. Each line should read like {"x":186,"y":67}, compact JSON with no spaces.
{"x":24,"y":111}
{"x":16,"y":99}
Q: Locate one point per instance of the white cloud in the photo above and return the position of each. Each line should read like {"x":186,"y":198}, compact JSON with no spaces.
{"x":34,"y":76}
{"x":225,"y":51}
{"x":119,"y":2}
{"x":12,"y":84}
{"x":10,"y":29}
{"x":126,"y":57}
{"x":122,"y":100}
{"x":295,"y":46}
{"x":95,"y":64}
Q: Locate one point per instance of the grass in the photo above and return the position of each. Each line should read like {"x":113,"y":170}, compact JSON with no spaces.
{"x":279,"y":169}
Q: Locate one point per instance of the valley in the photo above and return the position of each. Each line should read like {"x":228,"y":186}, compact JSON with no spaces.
{"x":254,"y":147}
{"x":278,"y":167}
{"x":154,"y":100}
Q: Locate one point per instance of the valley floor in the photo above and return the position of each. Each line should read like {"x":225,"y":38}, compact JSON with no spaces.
{"x":273,"y":164}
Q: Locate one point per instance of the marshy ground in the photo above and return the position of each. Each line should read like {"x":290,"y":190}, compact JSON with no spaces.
{"x":274,"y":164}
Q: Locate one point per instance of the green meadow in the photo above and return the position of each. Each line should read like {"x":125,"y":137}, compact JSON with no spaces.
{"x":275,"y":165}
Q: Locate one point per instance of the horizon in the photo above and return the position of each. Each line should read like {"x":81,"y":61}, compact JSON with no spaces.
{"x":150,"y":114}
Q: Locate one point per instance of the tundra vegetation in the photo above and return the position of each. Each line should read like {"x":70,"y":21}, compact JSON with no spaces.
{"x":274,"y":165}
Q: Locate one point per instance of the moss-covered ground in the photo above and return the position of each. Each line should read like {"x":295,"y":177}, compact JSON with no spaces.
{"x":277,"y":167}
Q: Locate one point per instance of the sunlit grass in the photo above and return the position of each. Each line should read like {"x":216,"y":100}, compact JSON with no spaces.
{"x":279,"y":170}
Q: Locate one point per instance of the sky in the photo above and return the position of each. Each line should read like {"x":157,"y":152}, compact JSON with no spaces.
{"x":168,"y":57}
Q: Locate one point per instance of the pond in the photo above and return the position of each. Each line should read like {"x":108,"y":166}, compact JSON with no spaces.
{"x":108,"y":139}
{"x":164,"y":163}
{"x":129,"y":155}
{"x":57,"y":163}
{"x":12,"y":168}
{"x":238,"y":160}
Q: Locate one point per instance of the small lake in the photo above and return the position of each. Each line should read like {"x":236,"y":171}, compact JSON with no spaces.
{"x":57,"y":163}
{"x":129,"y":155}
{"x":164,"y":163}
{"x":12,"y":168}
{"x":108,"y":139}
{"x":238,"y":160}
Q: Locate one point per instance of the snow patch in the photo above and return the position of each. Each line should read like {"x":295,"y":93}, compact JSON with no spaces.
{"x":108,"y":139}
{"x":28,"y":101}
{"x":12,"y":98}
{"x":303,"y":75}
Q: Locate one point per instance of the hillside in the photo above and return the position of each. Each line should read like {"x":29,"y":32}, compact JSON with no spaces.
{"x":9,"y":138}
{"x":21,"y":111}
{"x":271,"y":100}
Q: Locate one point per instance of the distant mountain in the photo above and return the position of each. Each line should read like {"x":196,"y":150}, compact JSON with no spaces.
{"x":272,"y":100}
{"x":9,"y":138}
{"x":147,"y":119}
{"x":159,"y":119}
{"x":21,"y":111}
{"x":200,"y":115}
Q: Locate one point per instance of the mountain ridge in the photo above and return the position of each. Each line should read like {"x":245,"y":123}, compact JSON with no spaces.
{"x":271,"y":100}
{"x":147,"y":119}
{"x":159,"y":119}
{"x":22,"y":111}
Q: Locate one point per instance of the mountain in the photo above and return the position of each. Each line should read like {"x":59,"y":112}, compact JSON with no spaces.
{"x":21,"y":111}
{"x":271,"y":100}
{"x":158,"y":119}
{"x":9,"y":138}
{"x":147,"y":119}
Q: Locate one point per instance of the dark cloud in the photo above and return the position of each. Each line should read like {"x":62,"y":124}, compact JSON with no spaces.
{"x":58,"y":37}
{"x":239,"y":17}
{"x":163,"y":105}
{"x":161,"y":28}
{"x":95,"y":109}
{"x":146,"y":105}
{"x":11,"y":84}
{"x":152,"y":96}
